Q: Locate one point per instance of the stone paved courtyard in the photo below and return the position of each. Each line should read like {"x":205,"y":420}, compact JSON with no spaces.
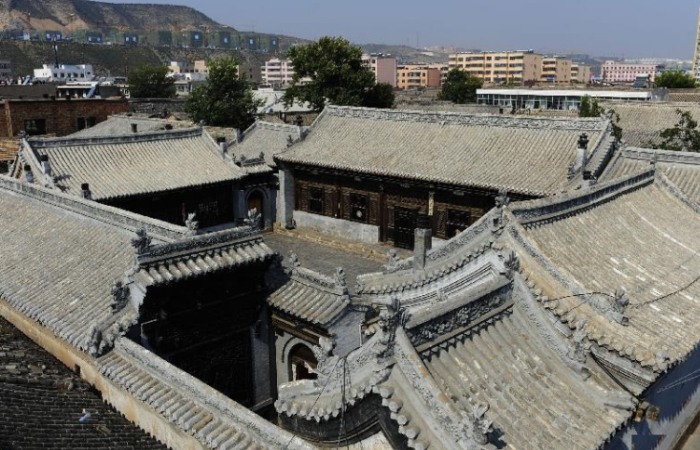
{"x":321,"y":258}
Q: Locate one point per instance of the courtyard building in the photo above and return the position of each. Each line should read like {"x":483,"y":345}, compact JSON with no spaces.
{"x":367,"y":175}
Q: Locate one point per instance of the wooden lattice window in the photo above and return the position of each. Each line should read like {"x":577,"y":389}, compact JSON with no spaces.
{"x":359,"y":208}
{"x":316,"y":200}
{"x":457,"y":221}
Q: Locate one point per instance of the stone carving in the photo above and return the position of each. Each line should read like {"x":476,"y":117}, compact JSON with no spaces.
{"x":619,"y":305}
{"x":653,"y":160}
{"x":512,"y":264}
{"x":580,"y":349}
{"x":192,"y":224}
{"x":392,"y":260}
{"x":120,"y":296}
{"x":339,"y":279}
{"x":254,"y":218}
{"x":476,"y":424}
{"x":203,"y":241}
{"x":570,"y":172}
{"x":390,"y":319}
{"x":142,"y":241}
{"x":325,"y":361}
{"x":294,"y":260}
{"x":290,"y":141}
{"x":456,"y":319}
{"x":502,"y":199}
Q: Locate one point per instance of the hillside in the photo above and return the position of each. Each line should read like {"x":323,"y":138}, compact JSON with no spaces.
{"x":110,"y":59}
{"x":68,"y":16}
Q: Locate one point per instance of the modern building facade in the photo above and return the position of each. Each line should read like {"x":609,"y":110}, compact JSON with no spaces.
{"x":414,"y":76}
{"x":383,"y":67}
{"x":581,"y":73}
{"x":65,"y":72}
{"x":556,"y":70}
{"x":557,"y":99}
{"x":500,"y":67}
{"x":277,"y":72}
{"x":618,"y":72}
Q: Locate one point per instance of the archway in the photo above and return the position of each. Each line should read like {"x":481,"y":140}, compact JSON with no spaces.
{"x":302,"y":363}
{"x":256,"y":201}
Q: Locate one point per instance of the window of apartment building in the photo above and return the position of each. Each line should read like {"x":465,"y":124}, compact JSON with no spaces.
{"x":359,"y":207}
{"x":316,"y":200}
{"x":35,"y":127}
{"x":86,"y":122}
{"x":457,"y":221}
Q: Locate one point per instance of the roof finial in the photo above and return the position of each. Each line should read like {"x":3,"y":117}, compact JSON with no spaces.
{"x":142,"y":241}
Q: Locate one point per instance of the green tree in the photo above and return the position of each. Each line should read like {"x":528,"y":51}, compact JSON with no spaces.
{"x":331,"y":70}
{"x":151,"y":82}
{"x":675,"y":79}
{"x":590,"y":107}
{"x":459,"y":87}
{"x":225,"y":100}
{"x":684,"y":136}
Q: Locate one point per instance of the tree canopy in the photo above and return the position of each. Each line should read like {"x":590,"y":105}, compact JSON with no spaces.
{"x":675,"y":79}
{"x":225,"y":100}
{"x":590,"y":107}
{"x":151,"y":82}
{"x":684,"y":136}
{"x":459,"y":87}
{"x":331,"y":70}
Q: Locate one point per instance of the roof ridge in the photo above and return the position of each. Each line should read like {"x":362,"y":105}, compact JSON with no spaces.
{"x":560,"y":206}
{"x":661,"y":155}
{"x":274,"y":126}
{"x":123,"y":139}
{"x":459,"y":118}
{"x":109,"y":215}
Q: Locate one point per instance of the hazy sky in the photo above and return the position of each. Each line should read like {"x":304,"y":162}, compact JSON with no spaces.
{"x":625,"y":28}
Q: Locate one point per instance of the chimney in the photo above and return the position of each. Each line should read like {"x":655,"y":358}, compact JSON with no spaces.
{"x":581,"y":152}
{"x":423,"y":241}
{"x":300,"y":127}
{"x":239,"y":135}
{"x":85,"y":191}
{"x":45,"y":166}
{"x":134,"y":128}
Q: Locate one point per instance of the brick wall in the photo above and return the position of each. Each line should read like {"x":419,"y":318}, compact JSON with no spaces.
{"x":61,"y":115}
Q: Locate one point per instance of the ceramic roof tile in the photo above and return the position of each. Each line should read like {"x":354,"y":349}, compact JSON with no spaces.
{"x":529,"y":156}
{"x":132,"y":165}
{"x":642,"y":123}
{"x":121,"y":124}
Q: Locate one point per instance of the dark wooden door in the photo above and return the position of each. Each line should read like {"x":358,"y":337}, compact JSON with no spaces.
{"x":404,"y":227}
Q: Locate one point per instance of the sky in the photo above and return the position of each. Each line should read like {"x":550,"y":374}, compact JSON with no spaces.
{"x":621,"y":28}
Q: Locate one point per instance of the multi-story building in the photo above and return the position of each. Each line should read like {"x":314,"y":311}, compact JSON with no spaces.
{"x":65,"y":72}
{"x":500,"y":67}
{"x":443,"y":68}
{"x":413,"y":76}
{"x":179,"y":67}
{"x":581,"y":73}
{"x":5,"y":70}
{"x":383,"y":67}
{"x":556,"y":70}
{"x":618,"y":72}
{"x":277,"y":72}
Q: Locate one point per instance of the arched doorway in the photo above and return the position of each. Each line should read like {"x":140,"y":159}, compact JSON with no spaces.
{"x":255,"y":201}
{"x":302,"y":363}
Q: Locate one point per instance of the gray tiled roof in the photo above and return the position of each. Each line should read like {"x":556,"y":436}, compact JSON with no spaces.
{"x":528,"y":156}
{"x":643,"y":122}
{"x":682,"y":168}
{"x":312,"y":297}
{"x":119,"y":125}
{"x":533,"y":396}
{"x":131,"y":165}
{"x":264,"y":138}
{"x":58,"y":267}
{"x":636,"y":234}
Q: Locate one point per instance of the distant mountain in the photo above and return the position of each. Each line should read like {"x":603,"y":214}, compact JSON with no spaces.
{"x":68,"y":16}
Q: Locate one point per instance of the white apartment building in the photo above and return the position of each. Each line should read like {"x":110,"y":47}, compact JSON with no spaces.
{"x":65,"y":72}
